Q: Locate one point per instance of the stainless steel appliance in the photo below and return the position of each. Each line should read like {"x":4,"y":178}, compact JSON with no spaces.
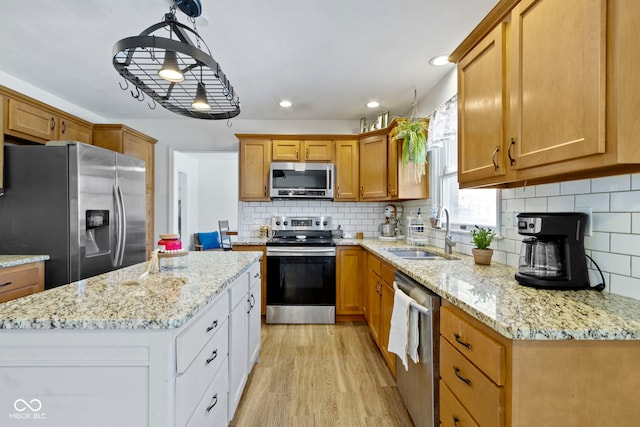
{"x":82,"y":205}
{"x":553,"y":255}
{"x":301,"y":180}
{"x":301,"y":271}
{"x":418,"y":385}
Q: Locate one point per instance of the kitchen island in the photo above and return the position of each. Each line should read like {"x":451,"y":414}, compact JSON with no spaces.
{"x":102,"y":352}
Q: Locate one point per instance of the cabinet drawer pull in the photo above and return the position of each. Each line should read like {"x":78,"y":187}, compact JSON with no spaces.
{"x":511,"y":159}
{"x":493,"y":158}
{"x":214,"y":403}
{"x":456,"y":422}
{"x":252,"y":301}
{"x":5,"y":284}
{"x":213,"y":356}
{"x":64,"y":127}
{"x":255,"y":276}
{"x":361,"y":191}
{"x":213,"y":326}
{"x":307,"y":154}
{"x":462,"y":343}
{"x":467,"y":381}
{"x":53,"y":123}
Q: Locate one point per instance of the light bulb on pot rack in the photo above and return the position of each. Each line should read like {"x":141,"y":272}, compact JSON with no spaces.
{"x":154,"y":63}
{"x":200,"y":102}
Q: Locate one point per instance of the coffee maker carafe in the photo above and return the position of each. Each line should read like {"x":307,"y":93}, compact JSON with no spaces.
{"x":552,"y":256}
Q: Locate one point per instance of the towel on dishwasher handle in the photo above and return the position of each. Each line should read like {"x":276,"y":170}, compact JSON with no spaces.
{"x":403,"y":334}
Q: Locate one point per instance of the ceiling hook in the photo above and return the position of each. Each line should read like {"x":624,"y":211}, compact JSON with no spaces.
{"x":126,"y":85}
{"x":154,"y":104}
{"x":140,"y":97}
{"x":137,"y":94}
{"x":229,"y":123}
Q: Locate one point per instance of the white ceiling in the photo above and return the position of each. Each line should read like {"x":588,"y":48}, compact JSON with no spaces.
{"x":329,"y":57}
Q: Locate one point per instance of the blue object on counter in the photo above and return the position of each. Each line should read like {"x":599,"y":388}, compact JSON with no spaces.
{"x":209,"y":240}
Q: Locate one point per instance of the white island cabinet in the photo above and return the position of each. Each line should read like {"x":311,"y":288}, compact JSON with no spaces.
{"x":102,"y":353}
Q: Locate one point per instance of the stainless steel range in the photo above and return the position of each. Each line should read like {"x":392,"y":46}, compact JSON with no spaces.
{"x":301,"y":271}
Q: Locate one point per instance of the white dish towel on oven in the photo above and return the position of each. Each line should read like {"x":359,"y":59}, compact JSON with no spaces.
{"x":403,"y":334}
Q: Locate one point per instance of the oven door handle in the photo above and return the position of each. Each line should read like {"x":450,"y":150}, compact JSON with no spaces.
{"x":301,"y":252}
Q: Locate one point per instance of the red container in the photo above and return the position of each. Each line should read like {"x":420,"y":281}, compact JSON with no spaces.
{"x":169,"y":242}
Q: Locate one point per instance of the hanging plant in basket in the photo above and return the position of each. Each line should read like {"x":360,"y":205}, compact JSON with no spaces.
{"x":414,"y":145}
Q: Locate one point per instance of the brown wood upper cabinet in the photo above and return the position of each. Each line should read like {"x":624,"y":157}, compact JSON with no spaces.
{"x":254,"y":169}
{"x":555,"y":81}
{"x":347,"y":166}
{"x":285,"y":150}
{"x":33,"y":121}
{"x":401,"y":183}
{"x":373,"y":167}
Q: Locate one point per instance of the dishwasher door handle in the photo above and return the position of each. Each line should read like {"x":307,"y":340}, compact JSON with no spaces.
{"x":420,"y":308}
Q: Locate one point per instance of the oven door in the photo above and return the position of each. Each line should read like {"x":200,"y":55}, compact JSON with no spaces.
{"x":301,"y":285}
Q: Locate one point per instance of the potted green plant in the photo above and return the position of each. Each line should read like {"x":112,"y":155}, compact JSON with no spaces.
{"x":482,"y":238}
{"x":414,"y":145}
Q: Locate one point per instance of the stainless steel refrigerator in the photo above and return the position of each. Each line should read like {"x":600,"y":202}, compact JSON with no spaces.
{"x":84,"y":206}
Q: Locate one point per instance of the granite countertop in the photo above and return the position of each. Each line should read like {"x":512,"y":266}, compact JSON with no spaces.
{"x":492,"y":295}
{"x":13,"y":260}
{"x":163,"y":300}
{"x":249,"y":241}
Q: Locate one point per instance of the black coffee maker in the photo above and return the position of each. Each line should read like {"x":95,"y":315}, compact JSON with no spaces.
{"x":552,"y":256}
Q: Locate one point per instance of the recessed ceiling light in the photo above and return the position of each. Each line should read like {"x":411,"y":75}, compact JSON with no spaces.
{"x":439,"y":60}
{"x":285,"y":103}
{"x":373,"y":104}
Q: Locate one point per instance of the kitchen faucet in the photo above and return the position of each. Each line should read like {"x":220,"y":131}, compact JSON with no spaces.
{"x":448,"y":242}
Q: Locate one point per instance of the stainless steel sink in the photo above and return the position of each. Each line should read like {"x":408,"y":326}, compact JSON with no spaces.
{"x":414,"y":254}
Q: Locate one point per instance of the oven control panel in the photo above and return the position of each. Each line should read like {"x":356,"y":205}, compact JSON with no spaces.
{"x":307,"y":223}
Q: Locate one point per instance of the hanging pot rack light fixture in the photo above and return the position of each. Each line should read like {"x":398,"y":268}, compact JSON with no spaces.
{"x":176,"y":73}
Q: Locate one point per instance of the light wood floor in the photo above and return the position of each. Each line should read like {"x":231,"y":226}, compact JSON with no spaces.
{"x":320,"y":375}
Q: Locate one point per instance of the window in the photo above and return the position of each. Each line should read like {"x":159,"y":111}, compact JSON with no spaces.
{"x":467,"y":207}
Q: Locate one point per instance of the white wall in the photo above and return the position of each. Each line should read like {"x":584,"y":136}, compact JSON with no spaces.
{"x":189,"y":166}
{"x":218,"y":191}
{"x":48,"y":98}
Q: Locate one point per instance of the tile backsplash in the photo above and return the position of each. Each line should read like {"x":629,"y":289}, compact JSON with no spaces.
{"x":614,"y":202}
{"x":352,"y":216}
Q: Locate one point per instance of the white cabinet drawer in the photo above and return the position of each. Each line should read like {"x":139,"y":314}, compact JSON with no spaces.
{"x":212,"y":409}
{"x":199,"y":331}
{"x":238,"y":290}
{"x":254,"y":275}
{"x":191,"y":385}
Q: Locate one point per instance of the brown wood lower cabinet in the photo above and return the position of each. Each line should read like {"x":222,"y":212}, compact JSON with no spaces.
{"x":21,"y":280}
{"x":380,"y":276}
{"x":350,"y":262}
{"x":531,"y":383}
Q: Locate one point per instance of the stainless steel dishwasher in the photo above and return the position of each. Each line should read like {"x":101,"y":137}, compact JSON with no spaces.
{"x":418,"y":385}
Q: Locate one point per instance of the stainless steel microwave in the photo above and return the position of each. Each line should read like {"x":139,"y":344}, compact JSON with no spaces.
{"x":301,"y":180}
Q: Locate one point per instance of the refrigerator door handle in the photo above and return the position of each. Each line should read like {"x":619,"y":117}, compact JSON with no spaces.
{"x":116,"y":199}
{"x":123,"y":225}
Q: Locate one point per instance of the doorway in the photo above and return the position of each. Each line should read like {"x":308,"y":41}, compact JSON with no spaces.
{"x":205,"y":187}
